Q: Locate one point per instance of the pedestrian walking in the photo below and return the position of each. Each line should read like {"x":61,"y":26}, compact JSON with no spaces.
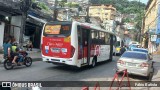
{"x":122,"y":50}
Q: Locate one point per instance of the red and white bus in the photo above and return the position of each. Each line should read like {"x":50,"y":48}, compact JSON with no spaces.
{"x":77,"y":44}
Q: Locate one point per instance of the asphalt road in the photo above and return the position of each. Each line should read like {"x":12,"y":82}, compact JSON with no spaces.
{"x":41,"y":71}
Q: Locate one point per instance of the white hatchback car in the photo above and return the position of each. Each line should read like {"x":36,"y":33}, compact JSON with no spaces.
{"x":137,"y":63}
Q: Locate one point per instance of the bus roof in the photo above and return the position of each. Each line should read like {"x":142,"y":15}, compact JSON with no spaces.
{"x":92,"y":26}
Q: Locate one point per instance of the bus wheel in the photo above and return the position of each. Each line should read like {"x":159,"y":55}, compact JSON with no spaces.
{"x":94,"y":62}
{"x":114,"y":54}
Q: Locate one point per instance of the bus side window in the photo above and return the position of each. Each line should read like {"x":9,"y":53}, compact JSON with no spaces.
{"x":101,"y":38}
{"x":94,"y":37}
{"x":107,"y":38}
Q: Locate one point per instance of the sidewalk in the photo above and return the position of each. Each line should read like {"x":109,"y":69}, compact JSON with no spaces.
{"x":35,"y":54}
{"x":156,"y":75}
{"x":156,"y":59}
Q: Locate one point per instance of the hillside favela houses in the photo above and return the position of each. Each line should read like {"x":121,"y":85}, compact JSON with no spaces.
{"x":110,"y":17}
{"x":106,"y":13}
{"x":151,"y":25}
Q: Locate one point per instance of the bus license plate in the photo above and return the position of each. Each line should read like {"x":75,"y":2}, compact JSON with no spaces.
{"x":56,"y":50}
{"x":131,"y":64}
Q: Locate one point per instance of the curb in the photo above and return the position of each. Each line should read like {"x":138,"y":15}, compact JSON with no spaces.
{"x":36,"y":59}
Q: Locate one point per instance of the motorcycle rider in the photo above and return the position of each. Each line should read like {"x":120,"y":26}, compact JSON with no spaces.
{"x":7,"y":46}
{"x":20,"y":56}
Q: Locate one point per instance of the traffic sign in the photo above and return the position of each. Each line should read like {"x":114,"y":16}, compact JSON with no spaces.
{"x":153,"y":38}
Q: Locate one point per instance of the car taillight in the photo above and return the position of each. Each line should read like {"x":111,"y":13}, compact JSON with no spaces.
{"x":121,"y":62}
{"x":72,"y":51}
{"x":144,"y":65}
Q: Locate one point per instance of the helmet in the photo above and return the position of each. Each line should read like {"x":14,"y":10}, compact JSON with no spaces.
{"x":17,"y":49}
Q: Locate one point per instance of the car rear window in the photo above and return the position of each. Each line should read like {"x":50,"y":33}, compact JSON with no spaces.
{"x":133,"y":45}
{"x":140,"y":50}
{"x":135,"y":55}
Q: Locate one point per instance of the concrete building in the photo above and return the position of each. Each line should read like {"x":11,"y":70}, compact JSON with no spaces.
{"x":109,"y":25}
{"x":11,"y":18}
{"x":151,"y":25}
{"x":78,"y":1}
{"x":118,"y":17}
{"x":105,"y":12}
{"x":51,"y":2}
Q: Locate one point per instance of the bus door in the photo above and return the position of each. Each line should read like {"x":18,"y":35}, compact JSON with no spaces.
{"x":80,"y":44}
{"x":86,"y":45}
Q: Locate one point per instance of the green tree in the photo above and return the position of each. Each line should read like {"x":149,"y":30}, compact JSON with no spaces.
{"x":62,"y":3}
{"x":34,"y":1}
{"x":72,"y":5}
{"x":43,"y":6}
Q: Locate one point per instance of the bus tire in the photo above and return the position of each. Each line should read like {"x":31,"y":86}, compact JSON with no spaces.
{"x":110,"y":60}
{"x":114,"y":54}
{"x":94,"y":61}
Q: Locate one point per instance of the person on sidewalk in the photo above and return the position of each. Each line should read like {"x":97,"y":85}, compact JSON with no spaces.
{"x":29,"y":45}
{"x":7,"y":46}
{"x":122,"y":50}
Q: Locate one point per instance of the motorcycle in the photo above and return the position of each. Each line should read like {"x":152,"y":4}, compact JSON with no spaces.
{"x":27,"y":61}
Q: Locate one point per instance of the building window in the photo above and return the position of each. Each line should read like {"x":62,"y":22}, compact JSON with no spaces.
{"x":154,"y":8}
{"x":105,"y":9}
{"x":146,"y":16}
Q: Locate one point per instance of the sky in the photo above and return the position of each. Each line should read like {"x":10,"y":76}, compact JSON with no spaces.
{"x":143,"y":1}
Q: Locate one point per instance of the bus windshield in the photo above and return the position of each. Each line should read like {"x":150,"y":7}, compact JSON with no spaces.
{"x":57,"y":30}
{"x":118,"y":44}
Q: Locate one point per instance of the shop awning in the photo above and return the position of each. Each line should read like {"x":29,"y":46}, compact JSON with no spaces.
{"x":37,"y":19}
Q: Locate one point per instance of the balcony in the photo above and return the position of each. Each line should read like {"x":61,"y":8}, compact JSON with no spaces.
{"x":10,"y":3}
{"x":10,"y":6}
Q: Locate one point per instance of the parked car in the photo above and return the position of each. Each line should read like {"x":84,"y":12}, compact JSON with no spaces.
{"x":137,"y":63}
{"x":143,"y":50}
{"x":140,"y":50}
{"x":132,"y":46}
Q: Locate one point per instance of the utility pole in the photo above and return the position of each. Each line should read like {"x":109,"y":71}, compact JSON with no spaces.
{"x":55,"y":11}
{"x":67,"y":14}
{"x":24,"y":7}
{"x":87,"y":10}
{"x":139,"y":34}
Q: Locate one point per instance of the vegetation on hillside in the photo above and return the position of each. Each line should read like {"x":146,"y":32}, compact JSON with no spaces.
{"x":124,"y":6}
{"x":127,"y":7}
{"x":43,"y":6}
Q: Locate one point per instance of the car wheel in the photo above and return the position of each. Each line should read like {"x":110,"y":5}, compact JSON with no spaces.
{"x":149,"y":77}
